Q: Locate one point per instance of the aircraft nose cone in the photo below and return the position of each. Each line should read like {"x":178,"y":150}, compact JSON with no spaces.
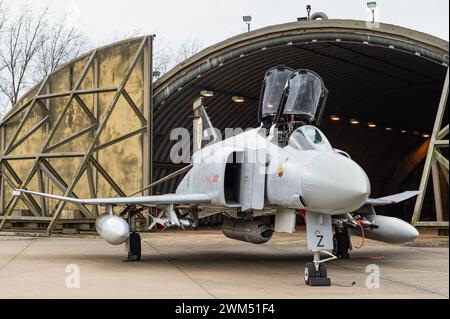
{"x":334,"y":182}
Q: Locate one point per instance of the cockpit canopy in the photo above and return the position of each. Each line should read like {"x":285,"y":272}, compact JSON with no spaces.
{"x":272,"y":91}
{"x":303,"y":92}
{"x":288,"y":95}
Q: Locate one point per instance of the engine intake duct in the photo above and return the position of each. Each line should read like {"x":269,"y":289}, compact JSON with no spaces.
{"x":254,"y":232}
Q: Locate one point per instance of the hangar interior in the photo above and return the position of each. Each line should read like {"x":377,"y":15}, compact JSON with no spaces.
{"x":385,"y":82}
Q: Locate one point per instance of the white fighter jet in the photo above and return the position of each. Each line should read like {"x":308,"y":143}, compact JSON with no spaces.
{"x":283,"y":168}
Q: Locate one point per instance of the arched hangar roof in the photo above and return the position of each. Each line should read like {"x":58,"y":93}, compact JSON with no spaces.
{"x":385,"y":74}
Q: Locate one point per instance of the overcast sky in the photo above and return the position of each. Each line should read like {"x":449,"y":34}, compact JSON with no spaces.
{"x":211,"y":21}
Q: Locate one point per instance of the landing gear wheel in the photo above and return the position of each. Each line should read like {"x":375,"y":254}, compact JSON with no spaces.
{"x":322,"y":271}
{"x":310,"y":272}
{"x":134,"y":248}
{"x":316,"y":278}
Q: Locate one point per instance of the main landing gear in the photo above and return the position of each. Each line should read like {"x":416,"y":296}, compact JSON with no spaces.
{"x":134,"y":240}
{"x":341,"y":243}
{"x":134,"y":247}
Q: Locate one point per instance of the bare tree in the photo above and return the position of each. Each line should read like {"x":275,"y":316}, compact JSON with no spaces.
{"x":21,"y":42}
{"x":61,"y":44}
{"x":30,"y":48}
{"x":2,"y":15}
{"x":187,"y":49}
{"x":162,"y":58}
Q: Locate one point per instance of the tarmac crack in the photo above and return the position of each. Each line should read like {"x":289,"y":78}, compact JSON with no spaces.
{"x":17,"y":255}
{"x":181,"y":270}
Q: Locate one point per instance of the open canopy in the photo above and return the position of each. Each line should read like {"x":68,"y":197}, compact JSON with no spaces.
{"x":272,"y":91}
{"x":304,"y":95}
{"x":290,"y":95}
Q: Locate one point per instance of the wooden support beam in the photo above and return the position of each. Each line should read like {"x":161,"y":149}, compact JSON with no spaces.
{"x":444,"y":172}
{"x":42,"y":155}
{"x":134,"y":107}
{"x":26,"y":218}
{"x":437,"y":190}
{"x":42,"y":189}
{"x":85,"y":108}
{"x":107,"y":177}
{"x":26,"y":199}
{"x":120,"y":139}
{"x":442,"y":133}
{"x":29,"y":133}
{"x":53,"y":175}
{"x":43,"y":106}
{"x":14,"y":111}
{"x":432,"y":224}
{"x":92,"y":186}
{"x":147,"y":138}
{"x":431,"y":151}
{"x":441,"y":159}
{"x":24,"y":118}
{"x":441,"y":143}
{"x":71,"y":137}
{"x":77,"y":92}
{"x":17,"y":181}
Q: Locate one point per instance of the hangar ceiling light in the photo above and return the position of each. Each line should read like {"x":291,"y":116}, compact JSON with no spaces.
{"x":335,"y":118}
{"x":206,"y":93}
{"x":238,"y":99}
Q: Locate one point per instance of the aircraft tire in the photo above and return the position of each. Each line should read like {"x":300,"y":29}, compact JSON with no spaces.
{"x":341,"y":245}
{"x":310,"y":272}
{"x":322,"y":270}
{"x":135,"y":247}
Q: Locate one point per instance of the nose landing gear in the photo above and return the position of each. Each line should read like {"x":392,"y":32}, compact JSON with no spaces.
{"x":316,"y":271}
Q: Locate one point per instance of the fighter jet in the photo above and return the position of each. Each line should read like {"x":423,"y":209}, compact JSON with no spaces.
{"x":285,"y":167}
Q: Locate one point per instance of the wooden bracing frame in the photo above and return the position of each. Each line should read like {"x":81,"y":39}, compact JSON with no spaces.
{"x":42,"y":167}
{"x":434,"y":164}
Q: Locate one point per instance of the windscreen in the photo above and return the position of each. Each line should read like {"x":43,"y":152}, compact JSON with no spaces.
{"x":305,"y":90}
{"x":274,"y":84}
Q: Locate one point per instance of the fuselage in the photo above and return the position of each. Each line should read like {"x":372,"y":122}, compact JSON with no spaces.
{"x":252,"y":167}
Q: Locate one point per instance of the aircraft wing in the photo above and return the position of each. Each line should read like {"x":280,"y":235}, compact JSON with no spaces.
{"x":392,"y":199}
{"x":166,"y":199}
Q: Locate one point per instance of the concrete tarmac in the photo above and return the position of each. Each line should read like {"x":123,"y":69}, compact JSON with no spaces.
{"x":205,"y":264}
